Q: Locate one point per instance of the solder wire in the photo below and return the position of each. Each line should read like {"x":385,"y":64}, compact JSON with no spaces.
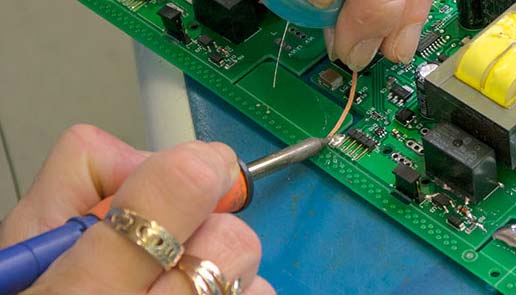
{"x":279,"y":55}
{"x":352,"y":92}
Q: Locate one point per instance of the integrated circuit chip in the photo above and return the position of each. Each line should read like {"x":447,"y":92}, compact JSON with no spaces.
{"x":441,"y":200}
{"x":401,"y":92}
{"x":205,"y":40}
{"x":405,"y":116}
{"x":216,"y":58}
{"x":426,"y":41}
{"x":399,"y":95}
{"x":380,"y":132}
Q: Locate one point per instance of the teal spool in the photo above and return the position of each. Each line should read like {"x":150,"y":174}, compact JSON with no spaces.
{"x":304,"y":14}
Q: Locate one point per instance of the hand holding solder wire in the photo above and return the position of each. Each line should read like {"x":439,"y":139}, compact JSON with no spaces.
{"x":355,"y":33}
{"x":178,"y":188}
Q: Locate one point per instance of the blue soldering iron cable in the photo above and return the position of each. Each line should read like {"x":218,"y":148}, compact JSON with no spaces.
{"x":23,"y":263}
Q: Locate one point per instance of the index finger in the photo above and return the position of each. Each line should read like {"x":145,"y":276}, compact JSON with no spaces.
{"x":85,"y":165}
{"x":361,"y":27}
{"x":178,"y":189}
{"x":401,"y":44}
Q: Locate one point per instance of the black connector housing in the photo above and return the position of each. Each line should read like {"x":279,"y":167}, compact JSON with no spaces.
{"x":234,"y":19}
{"x":363,"y":139}
{"x":461,"y":161}
{"x":407,"y":180}
{"x":171,"y":18}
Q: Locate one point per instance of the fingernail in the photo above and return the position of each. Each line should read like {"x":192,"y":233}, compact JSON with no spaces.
{"x":234,"y":171}
{"x":329,"y":38}
{"x":406,"y":43}
{"x":321,"y":3}
{"x":229,"y":157}
{"x":145,"y":153}
{"x":363,"y":53}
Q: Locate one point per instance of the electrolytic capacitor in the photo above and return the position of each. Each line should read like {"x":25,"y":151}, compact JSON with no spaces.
{"x":494,"y":8}
{"x":471,"y":14}
{"x":422,"y":72}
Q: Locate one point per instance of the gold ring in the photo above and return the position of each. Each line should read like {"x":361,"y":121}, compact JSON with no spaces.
{"x":147,"y":234}
{"x":206,"y":277}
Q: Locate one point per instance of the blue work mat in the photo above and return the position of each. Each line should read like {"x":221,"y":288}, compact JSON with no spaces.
{"x":318,"y":237}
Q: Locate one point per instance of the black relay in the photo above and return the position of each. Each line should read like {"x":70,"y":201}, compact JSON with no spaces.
{"x":234,"y":19}
{"x":461,"y":161}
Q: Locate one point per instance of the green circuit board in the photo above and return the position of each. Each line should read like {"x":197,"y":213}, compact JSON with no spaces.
{"x":302,"y":105}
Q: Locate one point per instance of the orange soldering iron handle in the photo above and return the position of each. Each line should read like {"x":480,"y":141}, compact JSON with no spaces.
{"x":237,"y":199}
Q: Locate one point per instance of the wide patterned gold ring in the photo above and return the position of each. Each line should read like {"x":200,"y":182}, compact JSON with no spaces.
{"x":206,"y":277}
{"x":147,"y":234}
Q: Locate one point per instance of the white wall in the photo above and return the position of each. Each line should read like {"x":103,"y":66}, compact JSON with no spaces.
{"x":59,"y":65}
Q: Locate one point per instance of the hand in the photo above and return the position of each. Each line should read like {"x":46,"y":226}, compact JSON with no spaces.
{"x":365,"y":26}
{"x":179,"y":188}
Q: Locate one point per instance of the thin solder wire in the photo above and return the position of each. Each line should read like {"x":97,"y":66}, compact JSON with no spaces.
{"x":351,"y":98}
{"x":279,"y":55}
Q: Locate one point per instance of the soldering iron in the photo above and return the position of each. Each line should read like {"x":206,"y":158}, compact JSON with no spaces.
{"x":23,"y":263}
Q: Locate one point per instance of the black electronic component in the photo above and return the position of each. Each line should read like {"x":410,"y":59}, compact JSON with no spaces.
{"x":205,"y":41}
{"x":471,"y":15}
{"x":216,"y":58}
{"x":426,"y":41}
{"x":366,"y":71}
{"x":442,"y":57}
{"x":331,"y":79}
{"x":405,"y":116}
{"x":234,"y":19}
{"x":442,"y":201}
{"x":380,"y":132}
{"x":171,"y":18}
{"x":422,"y":72}
{"x":494,"y":8}
{"x":376,"y":116}
{"x":455,"y":221}
{"x":400,"y":94}
{"x":407,"y":180}
{"x":363,"y":139}
{"x":461,"y":161}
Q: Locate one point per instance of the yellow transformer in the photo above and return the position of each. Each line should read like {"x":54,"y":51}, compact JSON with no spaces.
{"x":475,"y":89}
{"x":488,"y":64}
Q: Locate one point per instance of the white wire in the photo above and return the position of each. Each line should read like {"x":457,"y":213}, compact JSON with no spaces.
{"x":279,"y":55}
